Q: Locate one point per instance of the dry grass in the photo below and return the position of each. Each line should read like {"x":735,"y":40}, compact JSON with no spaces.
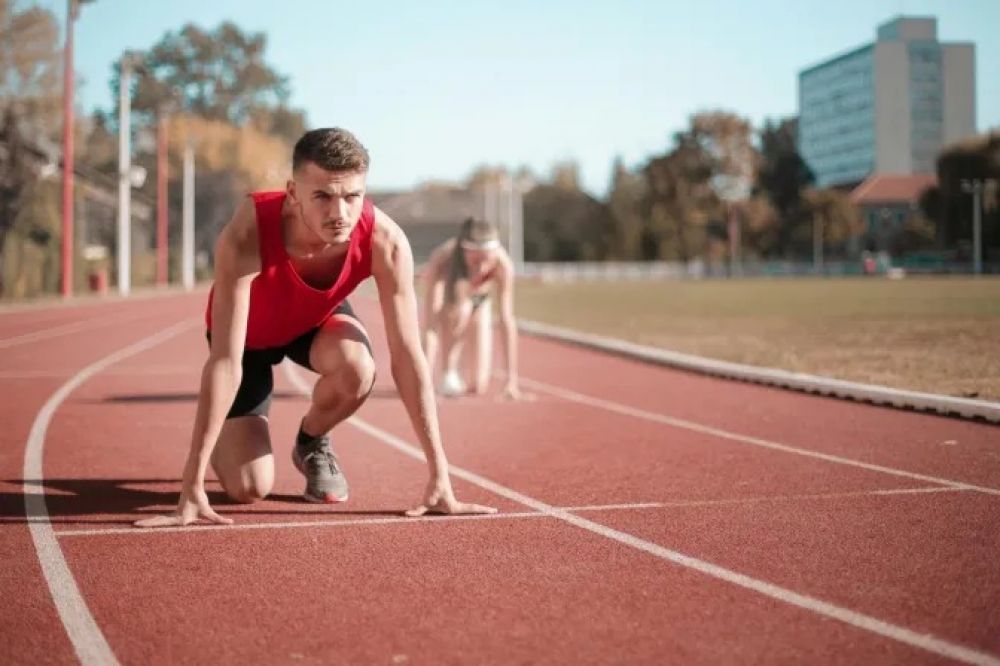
{"x":940,"y":335}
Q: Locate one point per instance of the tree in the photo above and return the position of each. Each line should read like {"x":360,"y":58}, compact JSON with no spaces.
{"x":30,"y":69}
{"x":29,"y":115}
{"x":679,"y":200}
{"x":760,"y":225}
{"x":950,"y":207}
{"x":839,"y":220}
{"x":728,"y":139}
{"x":625,"y":209}
{"x":782,"y":178}
{"x":564,"y":224}
{"x":218,"y":75}
{"x":712,"y":162}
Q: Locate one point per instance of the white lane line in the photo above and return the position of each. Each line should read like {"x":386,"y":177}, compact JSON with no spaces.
{"x":854,"y":618}
{"x":346,"y":521}
{"x":626,"y":410}
{"x":88,"y":641}
{"x":65,"y":329}
{"x":124,"y":372}
{"x":762,"y":499}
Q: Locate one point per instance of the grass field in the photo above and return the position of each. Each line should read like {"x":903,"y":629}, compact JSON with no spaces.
{"x":940,"y":335}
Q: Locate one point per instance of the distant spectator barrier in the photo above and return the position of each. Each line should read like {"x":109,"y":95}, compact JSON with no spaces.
{"x":583,"y":271}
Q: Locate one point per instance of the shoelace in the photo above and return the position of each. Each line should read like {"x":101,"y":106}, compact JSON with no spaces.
{"x":323,"y":456}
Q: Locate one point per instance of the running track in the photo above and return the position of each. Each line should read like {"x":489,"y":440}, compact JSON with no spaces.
{"x":647,"y":516}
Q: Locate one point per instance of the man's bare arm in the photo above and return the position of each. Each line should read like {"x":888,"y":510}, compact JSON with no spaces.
{"x":236,"y":264}
{"x":392,"y":268}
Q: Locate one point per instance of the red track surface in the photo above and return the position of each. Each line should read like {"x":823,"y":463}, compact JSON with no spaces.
{"x":772,"y":527}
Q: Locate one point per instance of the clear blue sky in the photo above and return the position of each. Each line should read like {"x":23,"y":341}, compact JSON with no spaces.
{"x":434,"y":88}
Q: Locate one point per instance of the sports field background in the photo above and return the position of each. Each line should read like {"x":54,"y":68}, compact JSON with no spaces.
{"x":934,"y":334}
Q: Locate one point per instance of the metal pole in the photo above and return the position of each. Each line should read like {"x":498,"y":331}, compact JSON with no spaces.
{"x":124,"y":185}
{"x":735,"y":242}
{"x":517,"y":229}
{"x":66,"y":286}
{"x":977,"y":228}
{"x":817,"y":244}
{"x":161,"y":199}
{"x":508,"y":204}
{"x":489,"y":203}
{"x":187,"y":221}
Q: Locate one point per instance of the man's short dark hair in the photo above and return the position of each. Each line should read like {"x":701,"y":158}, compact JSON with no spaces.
{"x":330,"y":148}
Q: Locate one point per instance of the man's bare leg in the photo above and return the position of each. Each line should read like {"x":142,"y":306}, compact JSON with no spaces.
{"x":242,"y":458}
{"x":340,"y":356}
{"x":339,"y":353}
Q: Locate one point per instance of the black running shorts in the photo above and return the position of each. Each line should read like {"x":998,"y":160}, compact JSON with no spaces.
{"x":254,"y":394}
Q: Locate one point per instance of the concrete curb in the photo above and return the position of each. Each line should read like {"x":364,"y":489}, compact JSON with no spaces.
{"x":877,"y":395}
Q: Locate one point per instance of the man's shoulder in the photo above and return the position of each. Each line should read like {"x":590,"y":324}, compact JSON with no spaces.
{"x":390,"y":245}
{"x":385,"y":230}
{"x":241,"y":231}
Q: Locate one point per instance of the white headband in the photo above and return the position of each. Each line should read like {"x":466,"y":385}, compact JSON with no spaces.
{"x":491,"y":244}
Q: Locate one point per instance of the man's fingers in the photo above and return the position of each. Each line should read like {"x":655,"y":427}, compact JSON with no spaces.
{"x":159,"y":521}
{"x":216,"y":518}
{"x":417,"y":512}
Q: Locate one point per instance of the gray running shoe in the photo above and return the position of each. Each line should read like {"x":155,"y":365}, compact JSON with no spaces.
{"x":325,"y":481}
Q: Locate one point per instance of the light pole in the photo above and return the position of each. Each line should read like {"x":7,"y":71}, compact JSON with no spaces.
{"x":976,"y":187}
{"x":129,"y":62}
{"x":161,"y":195}
{"x":187,"y":220}
{"x":66,"y":286}
{"x":67,"y":245}
{"x":735,"y":241}
{"x":817,"y":244}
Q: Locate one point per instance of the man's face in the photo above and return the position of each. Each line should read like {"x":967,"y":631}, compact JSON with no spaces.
{"x":329,"y":202}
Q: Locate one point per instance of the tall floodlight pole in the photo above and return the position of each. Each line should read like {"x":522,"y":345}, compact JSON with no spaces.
{"x":161,"y":196}
{"x":508,"y":206}
{"x":67,"y":246}
{"x":489,"y":201}
{"x":976,"y":187}
{"x":124,"y":177}
{"x":817,"y":244}
{"x":517,"y":227}
{"x":187,"y":220}
{"x":735,"y":241}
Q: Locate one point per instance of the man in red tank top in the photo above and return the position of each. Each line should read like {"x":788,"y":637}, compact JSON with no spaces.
{"x":284,"y":266}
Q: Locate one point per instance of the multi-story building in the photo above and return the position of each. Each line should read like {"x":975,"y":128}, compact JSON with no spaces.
{"x":888,"y":106}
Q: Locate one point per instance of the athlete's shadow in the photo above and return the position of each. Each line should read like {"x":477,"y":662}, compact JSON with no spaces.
{"x":123,"y":501}
{"x":184,"y":396}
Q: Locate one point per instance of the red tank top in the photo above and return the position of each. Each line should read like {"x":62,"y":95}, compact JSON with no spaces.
{"x":282,"y":305}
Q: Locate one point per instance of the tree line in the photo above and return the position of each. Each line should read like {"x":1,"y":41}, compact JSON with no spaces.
{"x":721,"y":176}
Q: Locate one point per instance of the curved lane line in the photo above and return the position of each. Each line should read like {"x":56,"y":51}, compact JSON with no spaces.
{"x":88,"y":641}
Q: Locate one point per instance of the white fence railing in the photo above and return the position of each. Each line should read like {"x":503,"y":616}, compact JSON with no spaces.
{"x":584,"y":271}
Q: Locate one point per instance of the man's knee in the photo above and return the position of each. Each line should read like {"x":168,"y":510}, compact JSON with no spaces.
{"x":249,"y":491}
{"x":355,"y":376}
